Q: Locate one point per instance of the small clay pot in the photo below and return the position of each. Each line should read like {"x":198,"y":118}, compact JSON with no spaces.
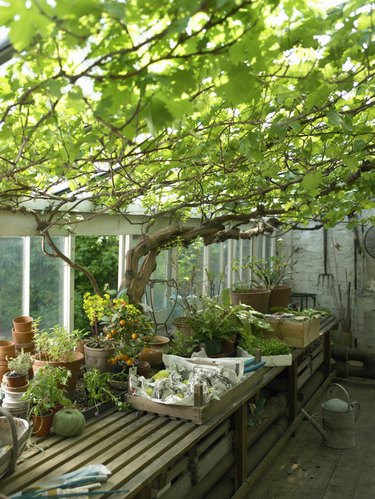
{"x":42,"y":424}
{"x":144,"y":369}
{"x":7,"y":350}
{"x":23,"y":337}
{"x":16,"y":380}
{"x":23,"y":324}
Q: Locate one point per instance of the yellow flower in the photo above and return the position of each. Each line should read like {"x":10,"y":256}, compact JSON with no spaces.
{"x":134,"y":336}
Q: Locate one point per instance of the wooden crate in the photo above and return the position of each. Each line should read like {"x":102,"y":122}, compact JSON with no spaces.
{"x":294,"y":333}
{"x":199,"y":414}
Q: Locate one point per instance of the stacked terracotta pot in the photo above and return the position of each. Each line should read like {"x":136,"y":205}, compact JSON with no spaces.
{"x":7,"y":351}
{"x":23,"y":334}
{"x":13,"y":389}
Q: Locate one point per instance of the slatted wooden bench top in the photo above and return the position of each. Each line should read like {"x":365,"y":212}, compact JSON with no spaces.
{"x":136,"y":447}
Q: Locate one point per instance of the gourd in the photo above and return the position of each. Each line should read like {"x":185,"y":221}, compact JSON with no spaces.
{"x":68,"y":422}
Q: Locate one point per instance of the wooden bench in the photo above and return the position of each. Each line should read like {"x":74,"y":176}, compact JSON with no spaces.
{"x":151,"y":455}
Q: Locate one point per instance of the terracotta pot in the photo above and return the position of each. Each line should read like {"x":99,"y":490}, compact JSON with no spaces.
{"x":15,"y":381}
{"x":23,"y":324}
{"x":279,"y":297}
{"x":144,"y":369}
{"x":7,"y":350}
{"x":257,"y":298}
{"x":80,"y":346}
{"x":182,"y":324}
{"x":26,"y":347}
{"x":97,"y":358}
{"x":3,"y":369}
{"x":153,"y":353}
{"x":42,"y":424}
{"x":14,"y":389}
{"x":23,"y":337}
{"x":73,"y":366}
{"x":228,"y":347}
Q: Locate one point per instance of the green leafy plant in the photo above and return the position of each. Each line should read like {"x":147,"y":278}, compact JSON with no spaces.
{"x":272,"y":346}
{"x":214,"y":321}
{"x":128,"y":328}
{"x":263,"y":272}
{"x":21,"y":364}
{"x":54,"y":345}
{"x":183,"y":345}
{"x":46,"y":390}
{"x":221,"y":321}
{"x":98,"y":389}
{"x":294,"y":149}
{"x":306,"y":313}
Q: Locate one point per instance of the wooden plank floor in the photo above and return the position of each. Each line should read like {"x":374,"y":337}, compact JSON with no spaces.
{"x":307,"y":469}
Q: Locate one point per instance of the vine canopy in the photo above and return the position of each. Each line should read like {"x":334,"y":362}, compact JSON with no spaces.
{"x":229,"y":110}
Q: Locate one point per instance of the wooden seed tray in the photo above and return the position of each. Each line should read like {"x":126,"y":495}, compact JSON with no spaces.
{"x":199,"y":414}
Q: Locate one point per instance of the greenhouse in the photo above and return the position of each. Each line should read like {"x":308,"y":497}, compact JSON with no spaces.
{"x":187,"y":242}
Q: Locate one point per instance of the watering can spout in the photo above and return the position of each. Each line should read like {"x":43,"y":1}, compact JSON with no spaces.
{"x":314,"y":423}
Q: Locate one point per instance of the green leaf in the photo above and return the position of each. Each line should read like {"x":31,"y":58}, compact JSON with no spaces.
{"x":311,"y":181}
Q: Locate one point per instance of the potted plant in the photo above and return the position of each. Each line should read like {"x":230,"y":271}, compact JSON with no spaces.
{"x":274,"y":352}
{"x":215,"y":325}
{"x":295,"y":328}
{"x":183,"y":345}
{"x":98,"y":390}
{"x":271,"y":274}
{"x":15,"y":383}
{"x":131,"y":332}
{"x":98,"y":347}
{"x":247,"y":290}
{"x":56,"y":347}
{"x":19,"y":368}
{"x":46,"y":394}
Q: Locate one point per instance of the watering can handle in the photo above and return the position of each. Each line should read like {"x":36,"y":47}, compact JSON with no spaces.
{"x":345,"y":392}
{"x":13,"y":432}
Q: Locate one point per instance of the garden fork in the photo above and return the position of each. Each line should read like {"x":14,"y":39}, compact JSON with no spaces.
{"x":325,"y":278}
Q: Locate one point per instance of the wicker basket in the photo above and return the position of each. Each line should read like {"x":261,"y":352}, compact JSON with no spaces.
{"x":14,"y":433}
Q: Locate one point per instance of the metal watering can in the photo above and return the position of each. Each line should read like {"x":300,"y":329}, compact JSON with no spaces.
{"x":338,"y":418}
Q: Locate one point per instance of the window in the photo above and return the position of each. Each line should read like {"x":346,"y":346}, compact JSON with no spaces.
{"x":30,"y":282}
